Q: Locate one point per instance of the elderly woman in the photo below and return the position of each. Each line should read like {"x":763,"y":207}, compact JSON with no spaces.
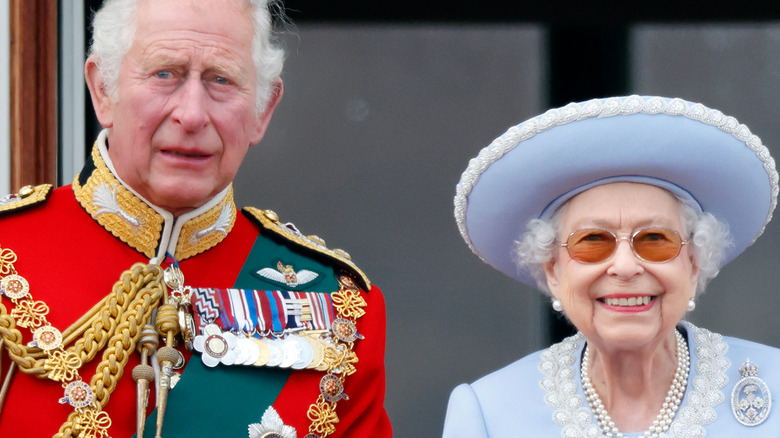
{"x":621,"y":210}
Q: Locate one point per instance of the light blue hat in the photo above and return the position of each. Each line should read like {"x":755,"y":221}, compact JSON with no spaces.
{"x":696,"y":152}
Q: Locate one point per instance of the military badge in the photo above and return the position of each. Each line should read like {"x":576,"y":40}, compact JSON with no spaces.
{"x":271,"y":426}
{"x":751,"y":400}
{"x":285,"y":274}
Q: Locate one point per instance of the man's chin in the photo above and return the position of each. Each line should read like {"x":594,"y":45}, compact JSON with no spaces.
{"x":180,"y":199}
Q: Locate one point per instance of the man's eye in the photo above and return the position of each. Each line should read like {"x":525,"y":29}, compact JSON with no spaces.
{"x":221,"y":80}
{"x":164,"y":74}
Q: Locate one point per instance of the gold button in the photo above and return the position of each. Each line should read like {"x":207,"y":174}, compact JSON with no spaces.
{"x":317,"y":239}
{"x":26,"y":191}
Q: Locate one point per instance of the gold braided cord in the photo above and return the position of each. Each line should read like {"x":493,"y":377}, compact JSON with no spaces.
{"x":148,"y":281}
{"x":97,"y":325}
{"x":144,"y":282}
{"x":13,"y":341}
{"x":115,"y":324}
{"x":76,"y":330}
{"x":116,"y":306}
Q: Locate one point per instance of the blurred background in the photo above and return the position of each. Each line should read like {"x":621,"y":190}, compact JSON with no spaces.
{"x":385,"y":104}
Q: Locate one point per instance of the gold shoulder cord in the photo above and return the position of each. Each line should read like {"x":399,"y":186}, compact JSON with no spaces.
{"x":115,"y":324}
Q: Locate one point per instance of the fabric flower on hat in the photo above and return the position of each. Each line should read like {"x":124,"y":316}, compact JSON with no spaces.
{"x":216,"y":346}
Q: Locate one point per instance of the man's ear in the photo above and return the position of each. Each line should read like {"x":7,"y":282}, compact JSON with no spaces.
{"x":101,"y":101}
{"x":264,"y":118}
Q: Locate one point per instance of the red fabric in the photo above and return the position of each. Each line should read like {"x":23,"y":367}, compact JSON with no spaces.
{"x":362,"y":415}
{"x":71,"y":263}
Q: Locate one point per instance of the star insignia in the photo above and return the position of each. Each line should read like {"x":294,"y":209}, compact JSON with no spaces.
{"x":271,"y":426}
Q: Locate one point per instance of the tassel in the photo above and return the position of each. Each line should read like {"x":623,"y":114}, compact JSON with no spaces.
{"x":143,"y":374}
{"x":167,"y":357}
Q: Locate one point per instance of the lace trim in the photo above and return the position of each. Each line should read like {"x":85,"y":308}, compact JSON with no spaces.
{"x":614,"y":106}
{"x":571,"y":411}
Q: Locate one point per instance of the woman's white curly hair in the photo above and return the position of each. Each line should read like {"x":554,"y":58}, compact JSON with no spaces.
{"x":708,"y":238}
{"x":113,"y":30}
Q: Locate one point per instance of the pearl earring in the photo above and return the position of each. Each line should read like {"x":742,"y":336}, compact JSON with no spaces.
{"x":691,"y":305}
{"x":557,"y":306}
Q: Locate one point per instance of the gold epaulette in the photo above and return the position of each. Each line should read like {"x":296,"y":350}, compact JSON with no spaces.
{"x":269,"y":220}
{"x":27,"y":197}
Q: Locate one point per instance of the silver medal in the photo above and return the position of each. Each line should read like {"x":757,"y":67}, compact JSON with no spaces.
{"x":250,"y":352}
{"x":291,"y":353}
{"x":306,"y":353}
{"x":277,"y":353}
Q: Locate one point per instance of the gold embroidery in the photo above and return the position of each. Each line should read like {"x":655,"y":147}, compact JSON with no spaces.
{"x":270,"y":221}
{"x":133,"y":221}
{"x":208,"y":229}
{"x":28,"y":195}
{"x":129,"y":218}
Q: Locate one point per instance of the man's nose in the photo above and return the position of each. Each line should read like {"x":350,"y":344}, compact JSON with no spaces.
{"x":191,"y":105}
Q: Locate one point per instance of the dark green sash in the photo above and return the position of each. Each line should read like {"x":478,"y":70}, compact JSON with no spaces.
{"x":223,"y":401}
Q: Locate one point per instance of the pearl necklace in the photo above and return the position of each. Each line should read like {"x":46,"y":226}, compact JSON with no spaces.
{"x":668,"y":410}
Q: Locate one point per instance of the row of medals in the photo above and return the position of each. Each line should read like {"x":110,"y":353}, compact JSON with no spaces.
{"x":304,"y":349}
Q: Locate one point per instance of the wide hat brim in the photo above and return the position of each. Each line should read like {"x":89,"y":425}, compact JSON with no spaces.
{"x":693,"y":151}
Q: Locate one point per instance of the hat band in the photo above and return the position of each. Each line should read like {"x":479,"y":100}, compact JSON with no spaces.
{"x":674,"y":189}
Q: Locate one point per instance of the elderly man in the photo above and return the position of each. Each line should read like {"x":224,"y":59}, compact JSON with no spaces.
{"x":139,"y":300}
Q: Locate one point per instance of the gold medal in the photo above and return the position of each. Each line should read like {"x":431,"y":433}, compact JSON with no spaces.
{"x":265,"y":353}
{"x":318,"y":351}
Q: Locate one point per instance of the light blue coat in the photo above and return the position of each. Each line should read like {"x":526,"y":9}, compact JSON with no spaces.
{"x":541,"y":395}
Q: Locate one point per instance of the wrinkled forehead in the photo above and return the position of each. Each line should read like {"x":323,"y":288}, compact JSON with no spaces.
{"x":219,"y":33}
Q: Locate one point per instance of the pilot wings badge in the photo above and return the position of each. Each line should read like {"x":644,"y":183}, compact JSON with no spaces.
{"x":286,"y":274}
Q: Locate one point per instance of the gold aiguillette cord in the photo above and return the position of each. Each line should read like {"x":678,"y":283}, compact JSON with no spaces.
{"x":140,"y":289}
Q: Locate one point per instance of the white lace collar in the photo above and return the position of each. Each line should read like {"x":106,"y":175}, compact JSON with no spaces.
{"x":705,"y":388}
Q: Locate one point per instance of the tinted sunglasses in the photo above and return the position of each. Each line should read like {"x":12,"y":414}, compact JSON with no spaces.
{"x":594,"y":245}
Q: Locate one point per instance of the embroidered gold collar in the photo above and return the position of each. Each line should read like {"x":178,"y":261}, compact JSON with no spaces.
{"x":149,"y":229}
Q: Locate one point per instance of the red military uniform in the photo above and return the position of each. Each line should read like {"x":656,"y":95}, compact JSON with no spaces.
{"x":73,"y":245}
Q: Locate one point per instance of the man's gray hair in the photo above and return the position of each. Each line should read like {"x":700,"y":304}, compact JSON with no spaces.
{"x":113,"y":30}
{"x":708,"y":239}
